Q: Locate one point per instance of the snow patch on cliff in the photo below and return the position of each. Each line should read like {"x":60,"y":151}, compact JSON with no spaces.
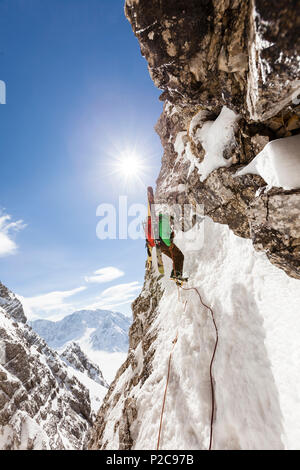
{"x":278,"y":163}
{"x":214,"y":136}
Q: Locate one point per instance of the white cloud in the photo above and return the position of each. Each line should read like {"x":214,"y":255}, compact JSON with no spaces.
{"x":38,"y":306}
{"x":121,"y":290}
{"x":7,"y":228}
{"x":54,"y":305}
{"x":117,"y":295}
{"x":107,"y":274}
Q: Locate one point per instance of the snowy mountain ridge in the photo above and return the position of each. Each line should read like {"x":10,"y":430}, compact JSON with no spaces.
{"x":44,"y":404}
{"x":100,"y":329}
{"x":10,"y":303}
{"x":75,"y":357}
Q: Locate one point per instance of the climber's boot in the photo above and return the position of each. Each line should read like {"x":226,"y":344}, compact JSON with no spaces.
{"x":178,"y":277}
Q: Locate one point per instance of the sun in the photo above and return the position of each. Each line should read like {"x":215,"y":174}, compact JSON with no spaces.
{"x":129,"y":165}
{"x":130,"y":168}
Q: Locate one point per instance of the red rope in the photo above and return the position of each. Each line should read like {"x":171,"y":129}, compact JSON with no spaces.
{"x":165,"y":394}
{"x":211,"y":364}
{"x":210,"y":372}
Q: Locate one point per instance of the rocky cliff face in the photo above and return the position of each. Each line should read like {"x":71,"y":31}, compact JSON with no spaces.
{"x":11,"y":304}
{"x":242,"y":55}
{"x":75,"y":357}
{"x":230,"y":64}
{"x":42,"y":404}
{"x":209,"y":53}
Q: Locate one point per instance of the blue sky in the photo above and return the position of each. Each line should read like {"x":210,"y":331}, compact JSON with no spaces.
{"x":78,"y":94}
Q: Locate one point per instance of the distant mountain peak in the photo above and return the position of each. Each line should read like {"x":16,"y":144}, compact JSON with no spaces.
{"x":11,"y":304}
{"x":75,"y":357}
{"x":101,"y":330}
{"x":43,"y":405}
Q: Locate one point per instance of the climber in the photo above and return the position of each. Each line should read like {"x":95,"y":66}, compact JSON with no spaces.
{"x":163,"y":241}
{"x":168,"y":247}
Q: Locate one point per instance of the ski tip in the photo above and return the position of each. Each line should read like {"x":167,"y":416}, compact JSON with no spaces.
{"x":150,"y":191}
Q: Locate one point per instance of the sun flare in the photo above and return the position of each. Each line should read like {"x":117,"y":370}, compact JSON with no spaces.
{"x":130,"y":165}
{"x":130,"y":168}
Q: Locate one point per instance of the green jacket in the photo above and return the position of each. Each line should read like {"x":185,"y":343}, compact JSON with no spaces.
{"x":165,"y":231}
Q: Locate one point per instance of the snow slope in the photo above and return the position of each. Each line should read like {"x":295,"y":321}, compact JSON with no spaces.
{"x":97,"y":391}
{"x":109,"y":363}
{"x":256,"y":369}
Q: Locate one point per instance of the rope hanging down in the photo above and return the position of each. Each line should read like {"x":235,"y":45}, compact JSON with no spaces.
{"x":210,"y":372}
{"x":167,"y":383}
{"x":211,"y":364}
{"x":165,"y":394}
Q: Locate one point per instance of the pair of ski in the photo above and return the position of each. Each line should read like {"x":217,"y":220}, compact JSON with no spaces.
{"x":159,"y":260}
{"x":160,"y":264}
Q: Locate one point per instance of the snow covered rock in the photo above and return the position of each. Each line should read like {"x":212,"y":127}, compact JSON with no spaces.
{"x":75,"y":357}
{"x":278,"y":163}
{"x":238,"y":202}
{"x":11,"y":304}
{"x":42,"y":404}
{"x":215,"y":137}
{"x":210,"y":60}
